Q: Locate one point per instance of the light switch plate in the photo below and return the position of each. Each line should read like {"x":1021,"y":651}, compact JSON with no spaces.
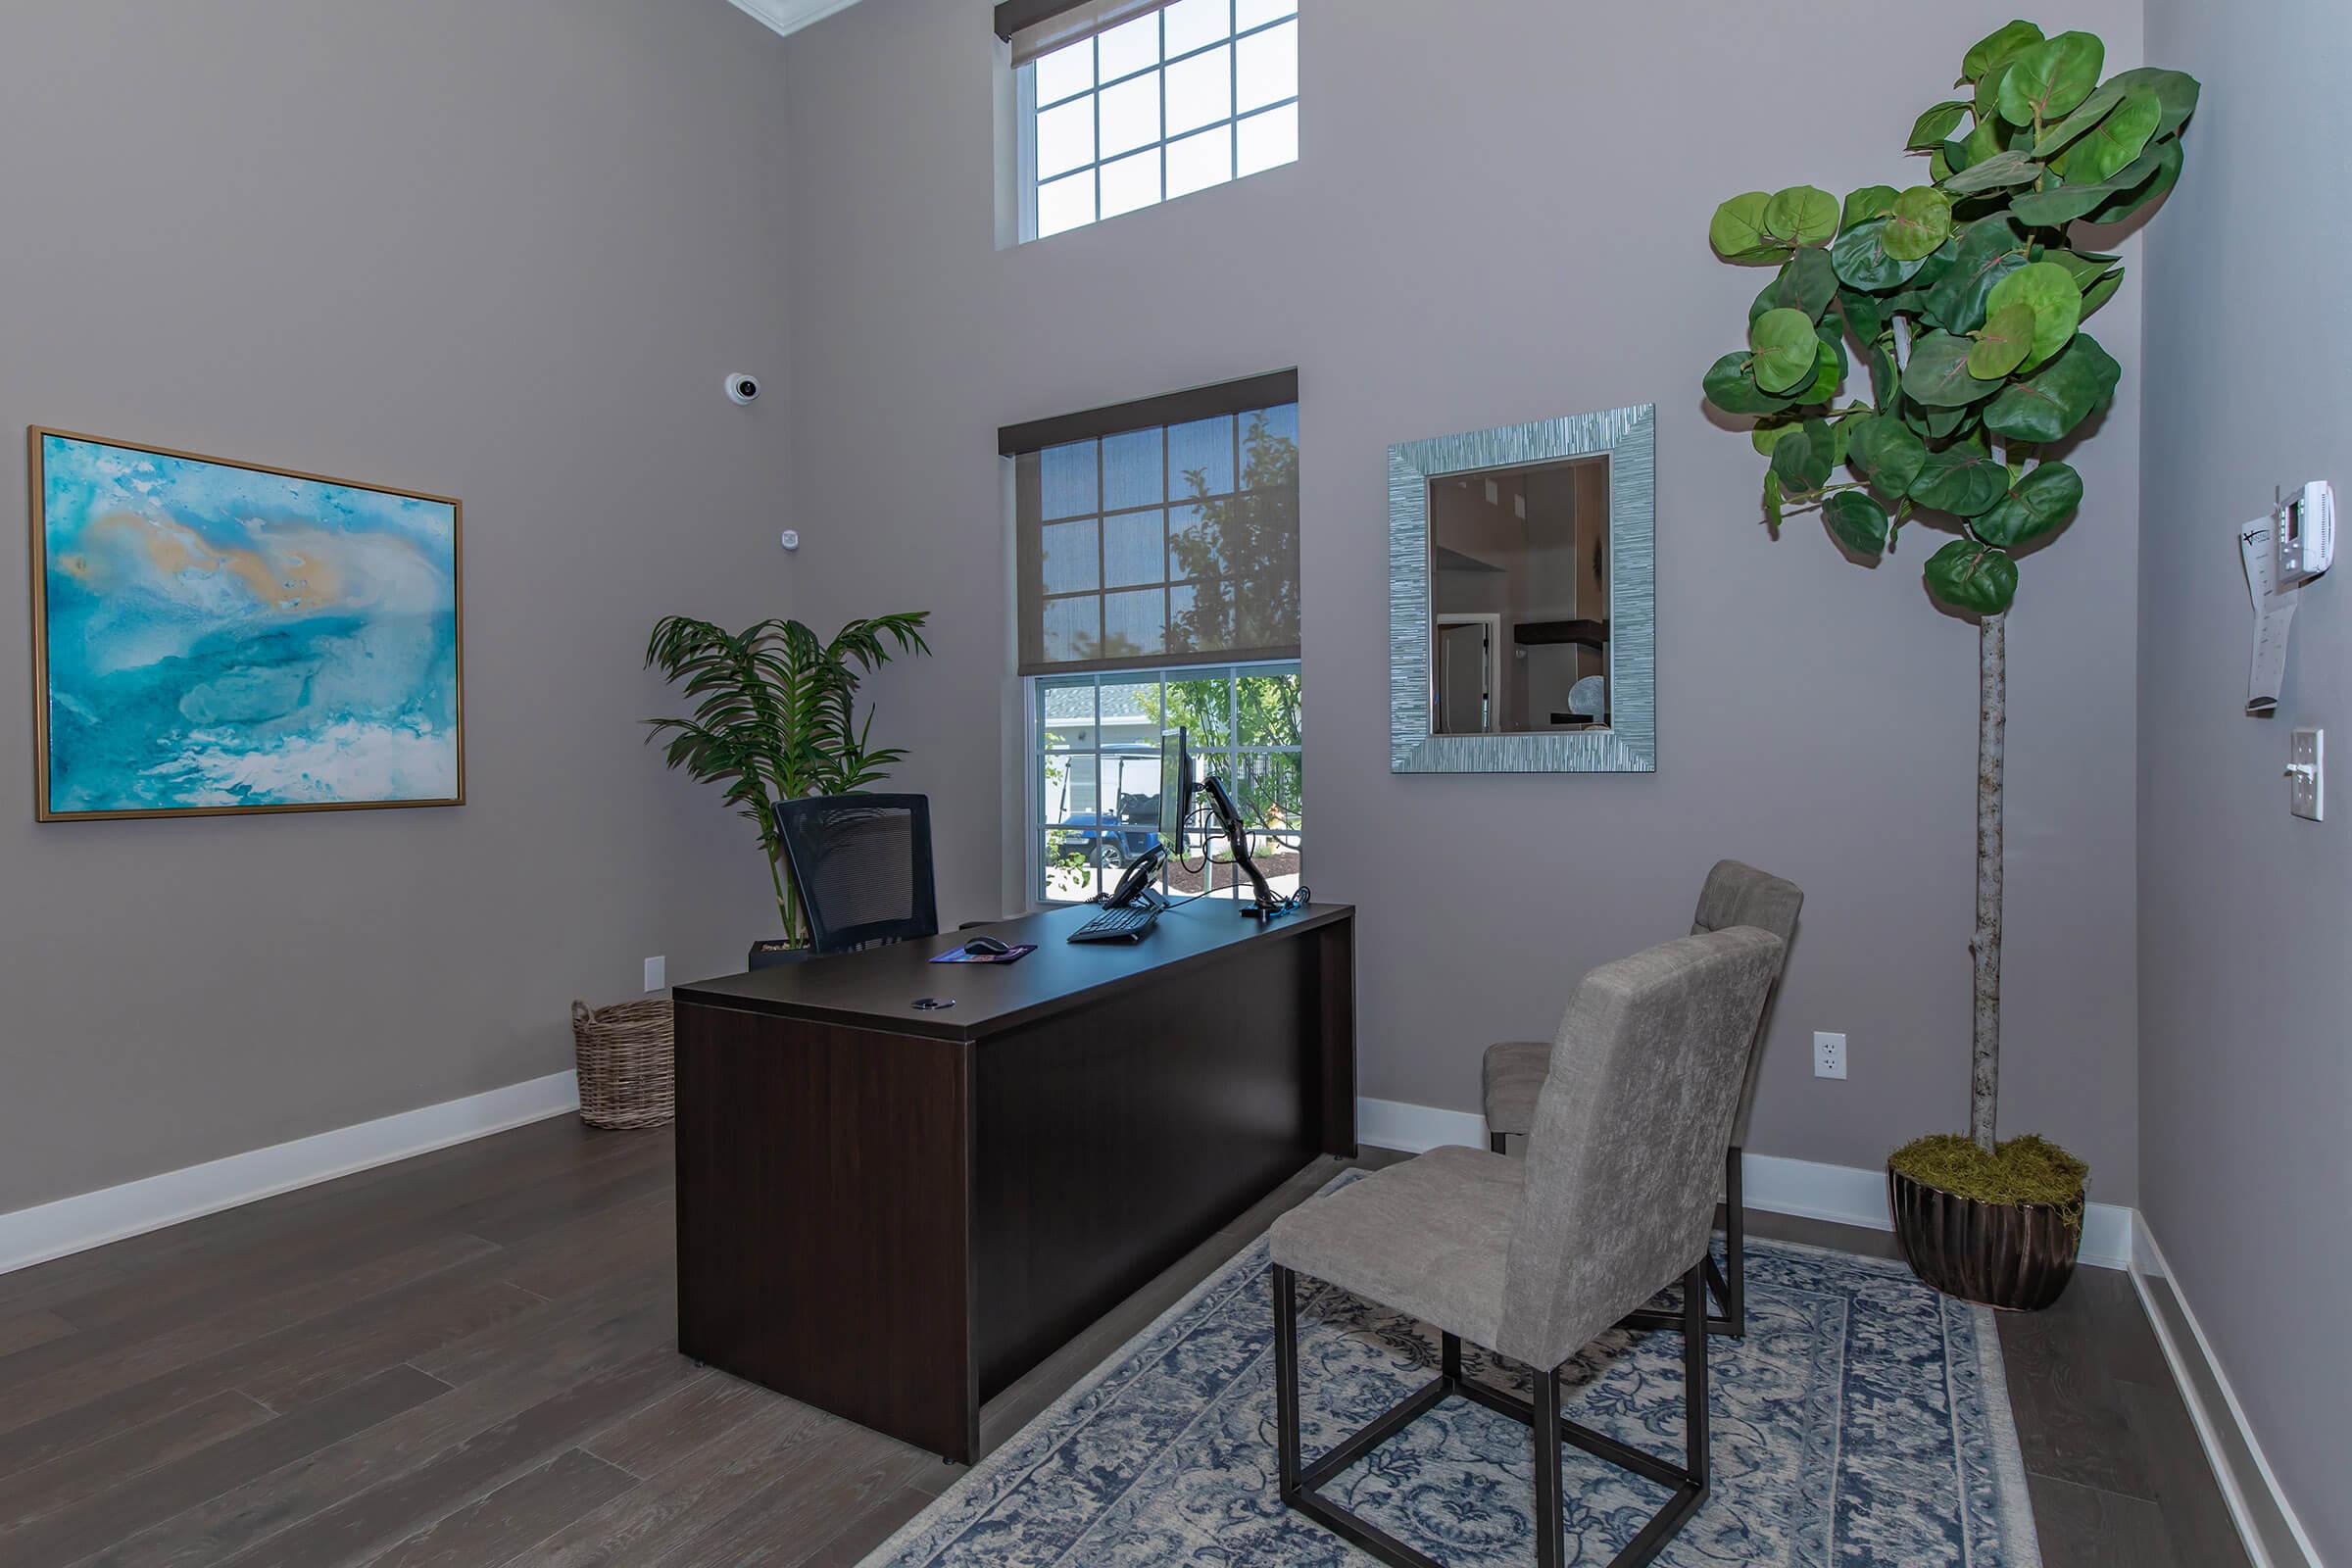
{"x":2307,"y":774}
{"x":1829,"y":1055}
{"x":656,"y":973}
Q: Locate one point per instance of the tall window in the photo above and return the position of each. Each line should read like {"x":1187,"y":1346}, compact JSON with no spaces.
{"x":1120,"y":110}
{"x":1158,"y":549}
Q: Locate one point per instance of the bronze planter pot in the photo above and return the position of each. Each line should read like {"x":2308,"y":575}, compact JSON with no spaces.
{"x":2015,"y":1257}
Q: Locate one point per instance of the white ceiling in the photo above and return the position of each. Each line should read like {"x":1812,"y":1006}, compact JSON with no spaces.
{"x":789,"y":16}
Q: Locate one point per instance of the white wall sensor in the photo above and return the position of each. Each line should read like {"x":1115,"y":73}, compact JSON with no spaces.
{"x":790,"y":538}
{"x":742,"y":388}
{"x":2306,"y":533}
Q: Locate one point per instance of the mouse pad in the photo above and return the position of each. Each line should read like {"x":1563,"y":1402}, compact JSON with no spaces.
{"x":1017,"y":952}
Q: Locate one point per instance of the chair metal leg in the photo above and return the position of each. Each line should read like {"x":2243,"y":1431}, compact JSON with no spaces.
{"x":1286,"y":1381}
{"x":1727,"y":1285}
{"x":1550,"y":1523}
{"x":1694,"y":1386}
{"x":1549,"y":1431}
{"x":1732,"y":1298}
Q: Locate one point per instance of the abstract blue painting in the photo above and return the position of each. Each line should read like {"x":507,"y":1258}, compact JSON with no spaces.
{"x":214,"y":637}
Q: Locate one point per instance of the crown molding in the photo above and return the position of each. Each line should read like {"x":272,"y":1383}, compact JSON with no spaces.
{"x":788,"y":17}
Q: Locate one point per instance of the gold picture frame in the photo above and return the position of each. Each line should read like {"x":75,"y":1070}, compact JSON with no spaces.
{"x":171,"y":535}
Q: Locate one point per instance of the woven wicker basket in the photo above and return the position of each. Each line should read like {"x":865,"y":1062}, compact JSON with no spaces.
{"x":629,"y":1062}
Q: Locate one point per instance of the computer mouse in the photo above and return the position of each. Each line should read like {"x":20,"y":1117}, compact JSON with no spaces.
{"x":988,"y":945}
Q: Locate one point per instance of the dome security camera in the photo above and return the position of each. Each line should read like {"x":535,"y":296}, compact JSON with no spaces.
{"x":743,"y":389}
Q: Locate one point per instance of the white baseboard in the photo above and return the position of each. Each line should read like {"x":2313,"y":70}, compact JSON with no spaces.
{"x":1844,"y":1195}
{"x":2246,"y":1493}
{"x":1416,"y":1129}
{"x":75,"y":1224}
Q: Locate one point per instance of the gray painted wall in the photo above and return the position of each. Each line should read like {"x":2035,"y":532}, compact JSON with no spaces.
{"x":1815,"y":717}
{"x":503,"y":252}
{"x":2246,"y":1075}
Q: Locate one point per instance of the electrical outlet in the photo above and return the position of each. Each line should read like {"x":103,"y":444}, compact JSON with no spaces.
{"x":1829,"y":1055}
{"x":656,"y":973}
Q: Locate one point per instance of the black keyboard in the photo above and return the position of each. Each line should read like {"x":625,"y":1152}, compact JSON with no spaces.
{"x":1115,"y":925}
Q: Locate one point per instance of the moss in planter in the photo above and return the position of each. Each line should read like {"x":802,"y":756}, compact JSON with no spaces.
{"x":2022,"y":1170}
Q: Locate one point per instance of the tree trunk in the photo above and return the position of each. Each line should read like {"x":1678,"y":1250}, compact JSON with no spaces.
{"x":1993,"y":717}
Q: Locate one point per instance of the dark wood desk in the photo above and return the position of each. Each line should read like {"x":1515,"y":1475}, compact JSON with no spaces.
{"x":893,"y":1213}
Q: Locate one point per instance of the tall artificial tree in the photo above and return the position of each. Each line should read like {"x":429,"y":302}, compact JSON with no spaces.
{"x":1965,"y":297}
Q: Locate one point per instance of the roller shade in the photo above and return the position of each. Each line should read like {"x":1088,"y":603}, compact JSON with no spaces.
{"x":1161,"y":532}
{"x":1040,"y":26}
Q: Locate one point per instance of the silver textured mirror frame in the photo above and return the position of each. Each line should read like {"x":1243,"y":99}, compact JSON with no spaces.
{"x":1630,"y":745}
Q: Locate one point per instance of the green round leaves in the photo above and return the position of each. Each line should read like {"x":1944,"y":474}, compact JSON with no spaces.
{"x":1753,"y":226}
{"x":1736,"y":230}
{"x":1858,"y":521}
{"x":1801,"y":215}
{"x":1806,"y":283}
{"x":1997,"y":172}
{"x":1972,"y":577}
{"x":1933,"y":127}
{"x":2047,"y":405}
{"x":1975,"y":277}
{"x":1937,"y":376}
{"x":2007,"y":338}
{"x":1803,"y":459}
{"x":1730,"y":385}
{"x":1863,"y":262}
{"x":1788,"y":356}
{"x":2046,"y":289}
{"x":1991,"y":248}
{"x":2045,"y":82}
{"x":1867,"y":203}
{"x":1997,"y":48}
{"x":1919,"y":222}
{"x":1889,"y":453}
{"x":1962,"y":479}
{"x":2115,"y":141}
{"x":2035,"y":505}
{"x":2175,"y":92}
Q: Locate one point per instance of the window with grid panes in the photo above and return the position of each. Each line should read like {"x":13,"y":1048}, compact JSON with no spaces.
{"x":1192,"y":94}
{"x":1157,"y":548}
{"x":1095,"y":775}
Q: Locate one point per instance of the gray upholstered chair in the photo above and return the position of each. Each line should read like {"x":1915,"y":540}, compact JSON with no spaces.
{"x":1532,"y":1258}
{"x":1512,"y":1074}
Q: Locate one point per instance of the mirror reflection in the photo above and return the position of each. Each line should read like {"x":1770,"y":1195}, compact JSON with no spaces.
{"x":1519,"y":599}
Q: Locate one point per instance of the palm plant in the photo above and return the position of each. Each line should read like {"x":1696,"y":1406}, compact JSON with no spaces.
{"x":775,"y":718}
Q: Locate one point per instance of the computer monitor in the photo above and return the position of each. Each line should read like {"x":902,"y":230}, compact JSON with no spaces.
{"x":1176,"y":786}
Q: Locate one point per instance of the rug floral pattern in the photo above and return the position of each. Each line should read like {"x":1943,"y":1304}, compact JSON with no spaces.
{"x":1862,"y":1422}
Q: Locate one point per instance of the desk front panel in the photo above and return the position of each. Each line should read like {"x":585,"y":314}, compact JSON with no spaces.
{"x":1111,"y":1140}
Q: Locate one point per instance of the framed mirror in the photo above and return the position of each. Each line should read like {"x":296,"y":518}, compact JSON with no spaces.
{"x":1522,"y":597}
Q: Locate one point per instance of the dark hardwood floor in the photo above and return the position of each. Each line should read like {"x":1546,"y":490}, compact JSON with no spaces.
{"x":468,"y":1358}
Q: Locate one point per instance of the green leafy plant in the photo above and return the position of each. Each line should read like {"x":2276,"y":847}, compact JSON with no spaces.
{"x":1965,"y":297}
{"x":775,"y":718}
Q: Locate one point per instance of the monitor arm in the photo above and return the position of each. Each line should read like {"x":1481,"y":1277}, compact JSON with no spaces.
{"x":1237,"y":833}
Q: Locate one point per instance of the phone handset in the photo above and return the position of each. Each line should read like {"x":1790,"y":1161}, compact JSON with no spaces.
{"x":1138,"y":880}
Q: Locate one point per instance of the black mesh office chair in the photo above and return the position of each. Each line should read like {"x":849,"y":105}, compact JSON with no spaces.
{"x":862,"y":863}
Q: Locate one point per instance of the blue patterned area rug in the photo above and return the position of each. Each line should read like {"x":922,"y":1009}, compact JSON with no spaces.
{"x":1862,"y":1422}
